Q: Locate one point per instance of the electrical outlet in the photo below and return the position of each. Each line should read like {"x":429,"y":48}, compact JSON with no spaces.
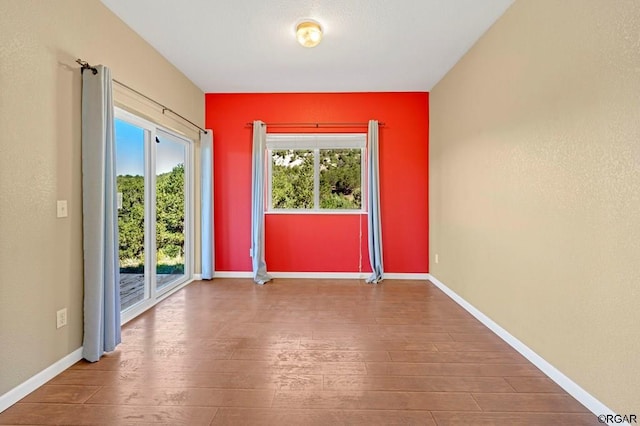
{"x":61,"y":318}
{"x":437,"y":258}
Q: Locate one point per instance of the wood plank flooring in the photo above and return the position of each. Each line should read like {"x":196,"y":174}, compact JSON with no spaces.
{"x":304,"y":352}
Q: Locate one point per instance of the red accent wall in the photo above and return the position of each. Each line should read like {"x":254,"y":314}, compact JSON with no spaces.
{"x":323,"y":243}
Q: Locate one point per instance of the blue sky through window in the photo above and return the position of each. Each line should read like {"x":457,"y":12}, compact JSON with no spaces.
{"x":130,"y":151}
{"x":168,"y":154}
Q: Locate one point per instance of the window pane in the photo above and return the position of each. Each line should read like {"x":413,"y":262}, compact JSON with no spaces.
{"x":292,"y":179}
{"x":130,"y":141}
{"x":171,"y":155}
{"x":340,"y":173}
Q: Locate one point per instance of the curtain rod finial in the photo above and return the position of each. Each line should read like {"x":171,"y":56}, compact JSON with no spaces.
{"x":84,"y":65}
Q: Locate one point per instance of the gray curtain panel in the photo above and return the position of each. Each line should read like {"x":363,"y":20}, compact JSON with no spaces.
{"x":258,"y":160}
{"x":373,"y":205}
{"x":99,"y":217}
{"x":206,"y":203}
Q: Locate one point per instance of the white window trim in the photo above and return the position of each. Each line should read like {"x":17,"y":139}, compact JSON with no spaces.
{"x":316,"y":142}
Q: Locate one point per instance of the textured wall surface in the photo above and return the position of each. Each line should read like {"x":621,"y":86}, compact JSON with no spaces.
{"x":40,"y":162}
{"x":310,"y":243}
{"x":535,"y":186}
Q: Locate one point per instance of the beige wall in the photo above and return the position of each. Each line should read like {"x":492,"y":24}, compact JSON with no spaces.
{"x":535,"y":186}
{"x":40,"y":255}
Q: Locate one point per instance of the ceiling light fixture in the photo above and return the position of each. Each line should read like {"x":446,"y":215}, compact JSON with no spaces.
{"x":309,"y":33}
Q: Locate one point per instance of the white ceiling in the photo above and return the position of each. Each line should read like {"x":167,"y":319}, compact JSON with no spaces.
{"x":240,"y":46}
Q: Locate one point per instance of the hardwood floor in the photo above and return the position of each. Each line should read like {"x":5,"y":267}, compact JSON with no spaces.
{"x":304,"y":352}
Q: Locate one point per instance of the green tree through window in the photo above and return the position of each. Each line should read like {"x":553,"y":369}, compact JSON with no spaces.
{"x":340,"y":175}
{"x":292,"y":179}
{"x":169,"y":221}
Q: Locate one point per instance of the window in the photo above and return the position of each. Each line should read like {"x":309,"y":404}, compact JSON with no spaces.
{"x":316,"y":173}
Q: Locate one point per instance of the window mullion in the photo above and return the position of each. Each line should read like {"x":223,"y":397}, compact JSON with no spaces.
{"x":151,"y":250}
{"x":269,"y":180}
{"x":316,"y":179}
{"x":364,"y":180}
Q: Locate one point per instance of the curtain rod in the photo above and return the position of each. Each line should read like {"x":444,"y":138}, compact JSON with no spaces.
{"x":84,"y":65}
{"x":316,"y":125}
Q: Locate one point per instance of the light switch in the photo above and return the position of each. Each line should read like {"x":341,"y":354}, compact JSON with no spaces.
{"x":62,"y":208}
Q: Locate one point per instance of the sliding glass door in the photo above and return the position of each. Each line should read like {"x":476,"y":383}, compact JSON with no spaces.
{"x":154,"y":176}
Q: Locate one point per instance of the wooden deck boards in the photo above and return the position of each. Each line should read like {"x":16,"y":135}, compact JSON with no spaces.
{"x":132,"y":287}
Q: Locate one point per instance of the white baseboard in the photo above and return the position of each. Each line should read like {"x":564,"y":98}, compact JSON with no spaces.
{"x":25,"y":388}
{"x":322,"y":275}
{"x":197,"y":277}
{"x":572,"y":388}
{"x":313,"y":275}
{"x":405,"y":276}
{"x":232,"y":274}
